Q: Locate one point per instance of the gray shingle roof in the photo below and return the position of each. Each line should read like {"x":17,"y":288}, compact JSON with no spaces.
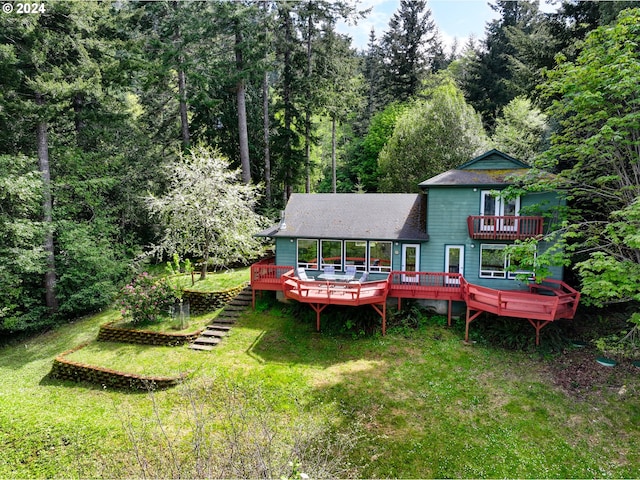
{"x":457,"y":177}
{"x":388,"y":216}
{"x":493,"y":168}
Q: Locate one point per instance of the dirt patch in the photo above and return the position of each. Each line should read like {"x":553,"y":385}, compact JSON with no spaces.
{"x":578,"y":374}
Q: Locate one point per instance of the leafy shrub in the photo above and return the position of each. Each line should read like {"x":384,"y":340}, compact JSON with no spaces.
{"x":90,"y":265}
{"x":146,"y":299}
{"x":340,"y":320}
{"x":413,"y":317}
{"x":517,"y":334}
{"x":625,"y":343}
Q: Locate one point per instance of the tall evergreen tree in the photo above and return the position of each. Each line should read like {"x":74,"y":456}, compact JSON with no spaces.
{"x":67,"y":109}
{"x":406,"y":46}
{"x":492,"y":85}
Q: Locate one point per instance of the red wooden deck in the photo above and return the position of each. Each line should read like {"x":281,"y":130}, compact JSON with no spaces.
{"x":552,"y":300}
{"x":320,"y":294}
{"x":542,"y":304}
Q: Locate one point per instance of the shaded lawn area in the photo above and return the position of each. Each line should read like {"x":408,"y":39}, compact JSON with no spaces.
{"x":418,"y":404}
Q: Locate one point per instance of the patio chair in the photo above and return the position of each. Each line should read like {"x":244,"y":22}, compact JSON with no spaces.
{"x":363,"y":278}
{"x":350,"y":270}
{"x":329,"y":269}
{"x":302,"y":274}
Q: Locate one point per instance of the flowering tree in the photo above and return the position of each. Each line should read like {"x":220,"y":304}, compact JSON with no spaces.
{"x":207,"y":211}
{"x":146,"y":299}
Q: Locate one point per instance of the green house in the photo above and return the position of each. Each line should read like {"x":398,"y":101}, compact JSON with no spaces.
{"x":459,"y":223}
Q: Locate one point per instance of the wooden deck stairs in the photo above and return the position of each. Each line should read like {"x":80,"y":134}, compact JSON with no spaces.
{"x":222,"y":324}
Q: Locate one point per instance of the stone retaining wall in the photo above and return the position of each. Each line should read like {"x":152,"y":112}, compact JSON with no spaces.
{"x":203,"y":302}
{"x":64,"y":369}
{"x":109,"y":333}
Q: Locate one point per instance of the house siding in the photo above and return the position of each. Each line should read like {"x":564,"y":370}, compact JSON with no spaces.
{"x":285,"y":251}
{"x":491,"y":162}
{"x":448,"y":209}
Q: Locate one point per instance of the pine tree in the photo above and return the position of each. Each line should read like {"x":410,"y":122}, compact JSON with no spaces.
{"x":405,"y":48}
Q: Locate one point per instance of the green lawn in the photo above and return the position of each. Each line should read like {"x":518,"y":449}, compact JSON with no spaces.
{"x":214,"y":281}
{"x":416,"y":404}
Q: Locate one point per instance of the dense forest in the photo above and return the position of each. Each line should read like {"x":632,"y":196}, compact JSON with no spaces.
{"x":104,"y":105}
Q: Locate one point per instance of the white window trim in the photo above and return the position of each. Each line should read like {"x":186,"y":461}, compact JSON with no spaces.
{"x":365,"y":264}
{"x":500,"y":274}
{"x":379,"y":268}
{"x":310,"y":266}
{"x":321,"y":253}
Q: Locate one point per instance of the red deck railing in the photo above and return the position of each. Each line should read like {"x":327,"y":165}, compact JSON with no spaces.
{"x":432,"y":285}
{"x":483,"y":227}
{"x":266,"y":275}
{"x":543,"y":303}
{"x":320,"y":294}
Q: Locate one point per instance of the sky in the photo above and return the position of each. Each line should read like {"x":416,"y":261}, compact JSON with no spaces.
{"x":454,"y":18}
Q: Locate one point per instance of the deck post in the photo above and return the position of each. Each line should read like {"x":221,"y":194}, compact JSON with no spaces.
{"x":466,"y":328}
{"x":469,"y":320}
{"x":318,"y":307}
{"x":383,"y":313}
{"x":449,"y":314}
{"x":384,"y":318}
{"x":538,"y":324}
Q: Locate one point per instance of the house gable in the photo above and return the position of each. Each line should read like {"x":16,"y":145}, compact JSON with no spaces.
{"x":493,"y":160}
{"x":493,"y":169}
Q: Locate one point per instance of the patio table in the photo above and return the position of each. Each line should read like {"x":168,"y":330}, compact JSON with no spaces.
{"x":336,"y":277}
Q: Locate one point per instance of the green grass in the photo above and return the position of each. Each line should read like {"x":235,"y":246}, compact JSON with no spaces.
{"x":168,"y":325}
{"x":214,"y":281}
{"x":416,"y":404}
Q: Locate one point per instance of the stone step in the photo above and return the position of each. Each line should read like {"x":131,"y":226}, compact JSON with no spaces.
{"x":232,"y":314}
{"x":225,"y":320}
{"x":207,"y":341}
{"x":238,"y":302}
{"x":213,"y":333}
{"x":234,"y":308}
{"x":216,"y":326}
{"x":197,"y":346}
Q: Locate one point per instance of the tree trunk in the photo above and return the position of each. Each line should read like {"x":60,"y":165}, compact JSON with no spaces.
{"x":182,"y":86}
{"x":267,"y":154}
{"x":288,"y":107}
{"x":333,"y":153}
{"x":307,"y":116}
{"x":203,"y":269}
{"x":242,"y":113}
{"x":182,"y":92}
{"x":47,"y":209}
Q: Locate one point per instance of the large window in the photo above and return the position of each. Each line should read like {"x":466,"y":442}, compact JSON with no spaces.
{"x":495,"y":263}
{"x":356,"y":254}
{"x":380,"y":256}
{"x":331,"y":253}
{"x":495,"y":206}
{"x":308,"y":253}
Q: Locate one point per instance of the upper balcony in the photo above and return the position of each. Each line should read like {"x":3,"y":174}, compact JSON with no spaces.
{"x":484,"y":227}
